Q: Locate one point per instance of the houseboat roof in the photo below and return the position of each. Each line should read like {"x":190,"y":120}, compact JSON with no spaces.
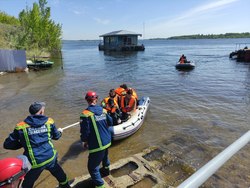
{"x":119,"y":33}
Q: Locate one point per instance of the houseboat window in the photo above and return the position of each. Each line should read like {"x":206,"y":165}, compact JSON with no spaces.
{"x":127,"y":40}
{"x":109,"y":40}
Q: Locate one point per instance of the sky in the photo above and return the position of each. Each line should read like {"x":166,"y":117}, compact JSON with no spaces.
{"x":88,"y":19}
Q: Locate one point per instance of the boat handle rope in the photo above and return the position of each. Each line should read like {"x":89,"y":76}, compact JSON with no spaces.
{"x":140,"y":117}
{"x":74,"y":124}
{"x":133,"y":123}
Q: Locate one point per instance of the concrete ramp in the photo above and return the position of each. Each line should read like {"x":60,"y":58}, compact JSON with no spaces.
{"x":150,"y":168}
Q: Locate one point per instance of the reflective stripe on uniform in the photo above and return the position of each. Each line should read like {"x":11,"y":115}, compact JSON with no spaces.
{"x":65,"y":182}
{"x":101,"y":186}
{"x":31,"y":154}
{"x":87,"y":113}
{"x":23,"y":126}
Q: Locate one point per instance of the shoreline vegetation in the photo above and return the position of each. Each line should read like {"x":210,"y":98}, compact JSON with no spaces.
{"x":33,"y":31}
{"x":209,"y":36}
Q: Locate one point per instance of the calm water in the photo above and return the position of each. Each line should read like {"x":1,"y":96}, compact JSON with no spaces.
{"x":207,"y":107}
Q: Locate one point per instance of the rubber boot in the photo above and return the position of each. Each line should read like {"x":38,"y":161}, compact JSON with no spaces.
{"x":104,"y":171}
{"x":65,"y":186}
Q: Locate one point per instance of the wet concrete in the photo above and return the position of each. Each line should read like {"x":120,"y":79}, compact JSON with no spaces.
{"x":150,"y":168}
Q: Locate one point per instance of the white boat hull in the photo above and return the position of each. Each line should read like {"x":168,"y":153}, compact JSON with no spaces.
{"x":129,"y":127}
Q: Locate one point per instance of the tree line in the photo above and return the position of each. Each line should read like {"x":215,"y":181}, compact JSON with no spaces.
{"x":7,"y":19}
{"x":34,"y":30}
{"x":213,"y":36}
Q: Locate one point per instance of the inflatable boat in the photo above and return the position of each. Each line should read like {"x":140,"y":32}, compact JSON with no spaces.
{"x":185,"y":66}
{"x":39,"y":64}
{"x":129,"y":127}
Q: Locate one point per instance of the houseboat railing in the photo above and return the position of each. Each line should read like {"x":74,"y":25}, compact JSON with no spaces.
{"x":199,"y":177}
{"x":238,"y":46}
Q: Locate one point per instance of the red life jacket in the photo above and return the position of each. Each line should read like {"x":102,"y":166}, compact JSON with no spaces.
{"x":131,"y":106}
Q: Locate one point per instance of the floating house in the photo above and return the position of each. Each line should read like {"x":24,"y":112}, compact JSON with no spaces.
{"x":121,"y":40}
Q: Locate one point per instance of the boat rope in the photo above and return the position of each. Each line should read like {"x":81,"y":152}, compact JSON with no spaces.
{"x":72,"y":125}
{"x":141,"y":113}
{"x":132,"y":124}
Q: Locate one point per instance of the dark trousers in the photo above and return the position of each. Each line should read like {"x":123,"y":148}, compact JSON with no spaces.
{"x":95,"y":159}
{"x":54,"y":168}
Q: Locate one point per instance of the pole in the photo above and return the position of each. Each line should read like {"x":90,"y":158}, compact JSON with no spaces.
{"x":72,"y":125}
{"x":199,"y":177}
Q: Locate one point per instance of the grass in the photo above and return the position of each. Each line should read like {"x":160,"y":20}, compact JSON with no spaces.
{"x":5,"y":44}
{"x":4,"y":28}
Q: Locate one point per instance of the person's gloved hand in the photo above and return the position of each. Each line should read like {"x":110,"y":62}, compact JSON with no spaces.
{"x":60,"y":130}
{"x":85,"y":145}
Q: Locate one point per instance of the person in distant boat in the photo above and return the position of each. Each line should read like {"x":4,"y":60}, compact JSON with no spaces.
{"x":96,"y":136}
{"x":183,"y":59}
{"x":128,"y":104}
{"x":13,"y":170}
{"x":34,"y":134}
{"x":111,"y":105}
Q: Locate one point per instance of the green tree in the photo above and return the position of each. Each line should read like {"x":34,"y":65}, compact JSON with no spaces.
{"x":7,"y":19}
{"x":39,"y":32}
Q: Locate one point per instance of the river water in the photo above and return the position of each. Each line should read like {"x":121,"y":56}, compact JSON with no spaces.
{"x":208,"y":106}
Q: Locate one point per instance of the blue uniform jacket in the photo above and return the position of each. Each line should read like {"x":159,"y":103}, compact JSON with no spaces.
{"x":95,"y":124}
{"x":34,"y":134}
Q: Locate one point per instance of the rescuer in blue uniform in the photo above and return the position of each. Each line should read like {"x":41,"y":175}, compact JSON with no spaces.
{"x":34,"y":134}
{"x":95,"y":135}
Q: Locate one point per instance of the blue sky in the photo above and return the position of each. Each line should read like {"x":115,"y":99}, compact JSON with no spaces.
{"x":87,"y":19}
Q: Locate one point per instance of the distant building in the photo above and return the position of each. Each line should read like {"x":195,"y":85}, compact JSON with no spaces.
{"x":12,"y":60}
{"x":121,"y":41}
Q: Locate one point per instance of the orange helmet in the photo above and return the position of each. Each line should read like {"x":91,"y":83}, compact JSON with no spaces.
{"x":91,"y":95}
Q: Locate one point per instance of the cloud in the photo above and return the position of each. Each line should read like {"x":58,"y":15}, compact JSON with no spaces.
{"x":215,"y":4}
{"x":102,"y":21}
{"x":193,"y":16}
{"x":205,"y":9}
{"x":77,"y":12}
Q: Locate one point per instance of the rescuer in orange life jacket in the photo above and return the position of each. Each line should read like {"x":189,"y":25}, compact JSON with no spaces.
{"x":13,"y":170}
{"x":111,"y":105}
{"x":128,"y":104}
{"x":122,"y":90}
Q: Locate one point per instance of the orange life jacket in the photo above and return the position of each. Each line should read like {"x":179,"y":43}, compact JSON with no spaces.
{"x":131,"y":106}
{"x":134,"y":94}
{"x":105,"y":104}
{"x":120,"y":91}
